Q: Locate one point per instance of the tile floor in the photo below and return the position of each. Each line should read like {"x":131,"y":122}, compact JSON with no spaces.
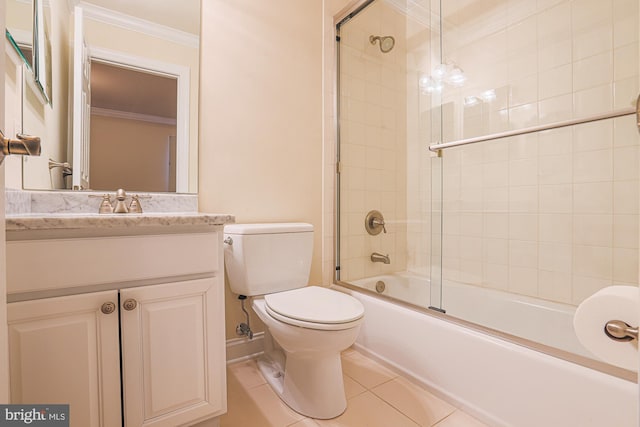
{"x":377,"y":397}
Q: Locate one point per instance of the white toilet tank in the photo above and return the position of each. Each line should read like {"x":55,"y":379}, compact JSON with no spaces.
{"x":266,"y":258}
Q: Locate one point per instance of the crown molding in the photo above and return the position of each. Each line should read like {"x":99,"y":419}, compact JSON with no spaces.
{"x":128,"y":22}
{"x":117,"y":114}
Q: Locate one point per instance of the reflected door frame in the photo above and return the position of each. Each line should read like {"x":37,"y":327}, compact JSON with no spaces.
{"x":181,"y":74}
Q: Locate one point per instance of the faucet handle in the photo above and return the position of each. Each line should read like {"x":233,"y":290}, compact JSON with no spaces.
{"x":105,"y":205}
{"x":135,"y":206}
{"x":379,"y":222}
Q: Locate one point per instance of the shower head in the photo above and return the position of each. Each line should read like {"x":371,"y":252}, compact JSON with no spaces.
{"x":386,"y":42}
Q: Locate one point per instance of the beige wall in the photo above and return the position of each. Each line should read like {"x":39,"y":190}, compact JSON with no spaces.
{"x":129,"y":154}
{"x":261,"y":127}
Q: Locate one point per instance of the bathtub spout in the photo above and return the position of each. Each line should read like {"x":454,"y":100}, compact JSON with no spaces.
{"x":377,"y":257}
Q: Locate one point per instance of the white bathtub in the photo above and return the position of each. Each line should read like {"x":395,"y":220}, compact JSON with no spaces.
{"x":501,"y":383}
{"x":545,"y":322}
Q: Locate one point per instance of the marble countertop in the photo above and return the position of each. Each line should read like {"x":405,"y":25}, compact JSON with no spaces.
{"x":33,"y":222}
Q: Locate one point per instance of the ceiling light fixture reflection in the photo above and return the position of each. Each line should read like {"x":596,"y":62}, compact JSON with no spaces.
{"x":488,"y":95}
{"x":470,"y":101}
{"x":442,"y":74}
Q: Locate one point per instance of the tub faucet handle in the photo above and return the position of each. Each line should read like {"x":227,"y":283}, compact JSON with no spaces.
{"x":379,"y":222}
{"x":374,"y":223}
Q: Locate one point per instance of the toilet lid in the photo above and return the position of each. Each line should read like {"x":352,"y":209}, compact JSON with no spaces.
{"x":315,"y":305}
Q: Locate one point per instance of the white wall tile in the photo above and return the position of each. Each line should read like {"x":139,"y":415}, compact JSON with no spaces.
{"x":625,"y":61}
{"x":555,"y":109}
{"x":496,"y":251}
{"x":625,"y":197}
{"x":593,"y":230}
{"x":557,"y":257}
{"x":625,"y":131}
{"x":555,"y":142}
{"x":625,"y":231}
{"x":556,"y":228}
{"x":554,"y":286}
{"x":593,"y":261}
{"x":557,"y":198}
{"x":523,"y":253}
{"x":523,"y":172}
{"x":523,"y":226}
{"x":523,"y":198}
{"x":593,"y":136}
{"x":625,"y":22}
{"x":555,"y":81}
{"x":495,"y":225}
{"x":555,"y":169}
{"x":523,"y":280}
{"x":592,"y":166}
{"x":495,"y":276}
{"x":626,"y":163}
{"x":593,"y":101}
{"x":625,"y":265}
{"x":593,"y":198}
{"x":593,"y":71}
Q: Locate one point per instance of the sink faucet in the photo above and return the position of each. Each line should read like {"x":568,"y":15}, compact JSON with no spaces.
{"x":120,"y":203}
{"x":377,"y":257}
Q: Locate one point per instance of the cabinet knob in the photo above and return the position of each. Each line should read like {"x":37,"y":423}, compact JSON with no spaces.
{"x":108,"y":307}
{"x":129,"y":304}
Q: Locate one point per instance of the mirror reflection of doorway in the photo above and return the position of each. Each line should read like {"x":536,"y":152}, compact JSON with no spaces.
{"x":133,"y":129}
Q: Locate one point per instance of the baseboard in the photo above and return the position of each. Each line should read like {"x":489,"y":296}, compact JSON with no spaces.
{"x":239,"y":349}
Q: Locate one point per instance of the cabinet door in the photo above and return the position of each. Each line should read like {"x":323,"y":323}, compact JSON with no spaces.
{"x":65,"y":350}
{"x":173,"y":353}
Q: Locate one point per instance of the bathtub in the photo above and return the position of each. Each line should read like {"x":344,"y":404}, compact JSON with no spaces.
{"x":500,"y":382}
{"x":525,"y":317}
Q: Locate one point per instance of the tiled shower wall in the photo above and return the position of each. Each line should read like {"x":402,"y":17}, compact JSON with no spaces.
{"x":373,"y":145}
{"x":552,"y":214}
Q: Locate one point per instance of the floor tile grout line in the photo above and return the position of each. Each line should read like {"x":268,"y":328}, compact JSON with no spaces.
{"x":405,"y":414}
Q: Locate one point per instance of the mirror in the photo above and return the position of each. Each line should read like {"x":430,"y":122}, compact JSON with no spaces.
{"x":125,"y":39}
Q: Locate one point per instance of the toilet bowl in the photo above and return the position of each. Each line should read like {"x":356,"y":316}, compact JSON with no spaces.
{"x":303,"y":366}
{"x":306,"y":326}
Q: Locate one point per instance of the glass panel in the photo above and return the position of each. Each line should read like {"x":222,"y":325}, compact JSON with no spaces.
{"x":512,"y":233}
{"x":534,"y":224}
{"x":384,"y":130}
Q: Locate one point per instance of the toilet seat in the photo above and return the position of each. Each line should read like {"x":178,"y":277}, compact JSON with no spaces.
{"x":315,"y":307}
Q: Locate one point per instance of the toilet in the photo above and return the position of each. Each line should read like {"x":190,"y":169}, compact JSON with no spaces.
{"x":306,"y":326}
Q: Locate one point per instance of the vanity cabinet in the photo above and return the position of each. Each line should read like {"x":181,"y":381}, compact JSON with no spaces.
{"x":134,"y":349}
{"x":66,"y":350}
